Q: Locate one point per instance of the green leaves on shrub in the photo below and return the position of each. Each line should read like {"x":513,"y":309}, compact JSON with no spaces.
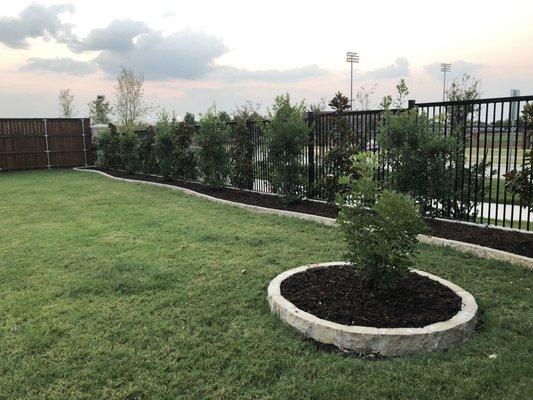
{"x":342,"y":146}
{"x":164,"y":144}
{"x":425,"y":162}
{"x":129,"y":150}
{"x":519,"y":182}
{"x":108,"y":149}
{"x":184,"y":155}
{"x":213,"y":154}
{"x":241,"y":154}
{"x":287,"y":135}
{"x":147,"y":156}
{"x":418,"y":159}
{"x":380,"y":226}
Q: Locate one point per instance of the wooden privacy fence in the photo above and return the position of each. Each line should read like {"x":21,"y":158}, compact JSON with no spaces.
{"x":27,"y":143}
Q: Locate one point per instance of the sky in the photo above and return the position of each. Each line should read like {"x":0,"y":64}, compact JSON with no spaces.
{"x":198,"y":53}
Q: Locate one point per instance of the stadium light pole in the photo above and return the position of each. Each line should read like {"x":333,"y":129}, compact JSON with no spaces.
{"x":444,"y":67}
{"x":352,"y":58}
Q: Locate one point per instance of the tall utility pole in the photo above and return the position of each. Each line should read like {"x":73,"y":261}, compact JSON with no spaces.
{"x":444,"y":67}
{"x":352,"y":58}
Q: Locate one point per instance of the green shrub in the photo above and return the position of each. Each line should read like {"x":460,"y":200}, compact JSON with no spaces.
{"x":343,"y":146}
{"x":241,"y":154}
{"x":213,"y":158}
{"x":129,"y":150}
{"x":380,"y":227}
{"x":108,"y":149}
{"x":520,"y":181}
{"x":147,"y":157}
{"x":164,"y":144}
{"x":287,"y":135}
{"x":184,"y":155}
{"x":418,"y":158}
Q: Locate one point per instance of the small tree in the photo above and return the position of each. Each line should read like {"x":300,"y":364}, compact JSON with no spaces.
{"x":66,"y":103}
{"x":424,"y":162}
{"x":380,"y":226}
{"x":184,"y":155}
{"x":189,"y":119}
{"x":164,"y":143}
{"x":242,"y":148}
{"x":460,"y":90}
{"x":213,"y":157}
{"x":363,"y":96}
{"x":287,"y":134}
{"x":418,"y":159}
{"x":129,"y":106}
{"x":147,"y":156}
{"x":99,"y":110}
{"x":129,"y":150}
{"x":342,"y":144}
{"x":108,"y":149}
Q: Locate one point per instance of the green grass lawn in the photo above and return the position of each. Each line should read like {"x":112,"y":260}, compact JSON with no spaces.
{"x":119,"y":291}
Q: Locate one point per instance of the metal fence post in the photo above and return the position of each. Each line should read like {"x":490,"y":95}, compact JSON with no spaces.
{"x":411,"y":103}
{"x":47,"y":151}
{"x":311,"y":154}
{"x":84,"y":144}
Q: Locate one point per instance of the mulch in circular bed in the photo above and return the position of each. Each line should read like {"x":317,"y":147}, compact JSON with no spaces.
{"x":336,"y":294}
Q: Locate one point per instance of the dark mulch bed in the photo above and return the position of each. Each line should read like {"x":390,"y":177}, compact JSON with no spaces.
{"x":511,"y":241}
{"x":506,"y":240}
{"x":336,"y":294}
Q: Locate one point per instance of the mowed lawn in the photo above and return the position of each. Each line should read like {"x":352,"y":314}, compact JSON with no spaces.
{"x":112,"y":290}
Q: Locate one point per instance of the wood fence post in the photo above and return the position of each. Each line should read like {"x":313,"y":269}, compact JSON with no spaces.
{"x":47,"y":149}
{"x":84,"y":144}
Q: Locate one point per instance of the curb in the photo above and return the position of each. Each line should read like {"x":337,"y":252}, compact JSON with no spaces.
{"x":370,"y":340}
{"x":474,"y":249}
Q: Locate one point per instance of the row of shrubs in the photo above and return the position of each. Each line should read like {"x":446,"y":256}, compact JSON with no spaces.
{"x":216,"y":151}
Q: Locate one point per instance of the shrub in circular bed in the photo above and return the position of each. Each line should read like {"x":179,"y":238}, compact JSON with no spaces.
{"x":380,"y":226}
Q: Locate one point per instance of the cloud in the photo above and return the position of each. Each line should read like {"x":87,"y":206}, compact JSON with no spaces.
{"x":60,"y":65}
{"x":36,"y":21}
{"x":169,"y":14}
{"x":268,"y":75}
{"x":399,"y":69}
{"x":458,"y":68}
{"x":117,"y":36}
{"x":133,"y":44}
{"x":182,"y":55}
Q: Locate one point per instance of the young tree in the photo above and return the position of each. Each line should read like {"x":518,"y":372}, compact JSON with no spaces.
{"x":364,"y":96}
{"x":380,"y":226}
{"x":66,"y":106}
{"x":164,"y":143}
{"x":241,"y":173}
{"x":189,"y":119}
{"x":287,"y":134}
{"x":465,"y":89}
{"x":213,"y":154}
{"x":99,"y":110}
{"x":343,"y":141}
{"x":129,"y":150}
{"x":319,"y":106}
{"x":129,"y":105}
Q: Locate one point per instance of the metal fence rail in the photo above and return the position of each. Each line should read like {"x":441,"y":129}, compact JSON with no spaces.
{"x":493,"y":135}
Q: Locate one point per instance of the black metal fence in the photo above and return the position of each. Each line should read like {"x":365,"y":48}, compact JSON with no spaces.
{"x":494,"y":136}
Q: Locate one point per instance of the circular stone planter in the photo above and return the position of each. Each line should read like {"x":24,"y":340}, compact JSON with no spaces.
{"x":368,"y":340}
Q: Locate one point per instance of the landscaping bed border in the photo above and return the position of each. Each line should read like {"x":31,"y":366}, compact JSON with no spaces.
{"x":477,"y":250}
{"x":369,"y":340}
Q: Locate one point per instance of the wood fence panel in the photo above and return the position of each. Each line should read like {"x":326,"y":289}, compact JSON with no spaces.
{"x":28,"y":143}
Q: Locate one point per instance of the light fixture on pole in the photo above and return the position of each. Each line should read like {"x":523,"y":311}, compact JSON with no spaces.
{"x":351,"y":57}
{"x":444,"y":67}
